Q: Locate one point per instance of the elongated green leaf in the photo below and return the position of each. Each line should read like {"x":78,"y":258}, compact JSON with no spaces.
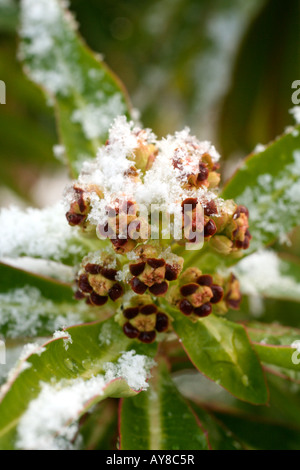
{"x":60,"y":382}
{"x":220,"y":437}
{"x":270,"y":276}
{"x":268,"y":184}
{"x":160,"y":419}
{"x":86,"y":94}
{"x":221,"y":350}
{"x":276,"y":345}
{"x":100,"y":428}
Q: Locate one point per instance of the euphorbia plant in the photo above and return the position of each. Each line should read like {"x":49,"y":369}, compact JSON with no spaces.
{"x":150,"y":299}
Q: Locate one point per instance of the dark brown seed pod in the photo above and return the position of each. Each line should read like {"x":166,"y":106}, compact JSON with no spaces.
{"x":79,"y":295}
{"x":191,"y":201}
{"x":171,"y":273}
{"x":130,"y":330}
{"x":98,"y":300}
{"x":115,"y":292}
{"x":188,"y":289}
{"x":84,"y":284}
{"x":162,"y":322}
{"x":155,"y":262}
{"x":138,"y":286}
{"x":210,"y":208}
{"x":159,"y":289}
{"x":131,"y":312}
{"x":186,"y":307}
{"x":75,"y":219}
{"x":109,"y":273}
{"x":203,"y":173}
{"x":210,"y":229}
{"x":147,"y":336}
{"x":205,"y":280}
{"x":217,"y":293}
{"x":204,"y":310}
{"x":92,"y":268}
{"x":148,"y":309}
{"x":137,"y":269}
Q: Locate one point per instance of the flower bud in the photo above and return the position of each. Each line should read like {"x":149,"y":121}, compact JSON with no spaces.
{"x":142,"y":320}
{"x":96,"y":279}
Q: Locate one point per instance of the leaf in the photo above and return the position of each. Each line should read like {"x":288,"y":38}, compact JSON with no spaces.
{"x":273,"y":344}
{"x":57,"y":385}
{"x":220,"y":437}
{"x":221,"y":350}
{"x":160,"y":419}
{"x":32,"y":305}
{"x":268,"y":184}
{"x":261,"y":436}
{"x":99,"y":428}
{"x":257,"y":104}
{"x":86,"y":94}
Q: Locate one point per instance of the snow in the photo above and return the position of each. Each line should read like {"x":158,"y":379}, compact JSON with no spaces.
{"x":65,"y":335}
{"x":132,"y":367}
{"x":36,"y":232}
{"x":95,"y":120}
{"x":41,"y":28}
{"x":295,"y":111}
{"x":24,"y":312}
{"x":162,"y":184}
{"x":263,"y":273}
{"x":44,"y":425}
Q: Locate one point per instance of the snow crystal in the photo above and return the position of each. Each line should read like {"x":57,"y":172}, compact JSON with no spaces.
{"x":59,"y":152}
{"x":24,"y":312}
{"x":29,"y":349}
{"x":295,"y":111}
{"x":34,"y":232}
{"x":259,"y":148}
{"x":95,"y":120}
{"x":41,"y":28}
{"x":132,"y":367}
{"x":161,"y":184}
{"x":65,"y":335}
{"x":44,"y":426}
{"x":264,"y":273}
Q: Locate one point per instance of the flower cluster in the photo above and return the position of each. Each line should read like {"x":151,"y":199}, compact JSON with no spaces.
{"x":112,"y":201}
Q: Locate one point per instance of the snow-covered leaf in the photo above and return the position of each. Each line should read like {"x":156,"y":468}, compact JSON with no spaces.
{"x":52,"y":386}
{"x":268,"y":183}
{"x":160,"y":419}
{"x":222,"y":351}
{"x":32,"y":305}
{"x":86,"y":94}
{"x":266,"y":274}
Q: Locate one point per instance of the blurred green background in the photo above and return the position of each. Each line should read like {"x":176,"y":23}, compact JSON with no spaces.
{"x":224,"y":68}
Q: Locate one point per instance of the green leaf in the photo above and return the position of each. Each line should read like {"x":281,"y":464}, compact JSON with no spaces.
{"x":86,"y":94}
{"x":219,"y":436}
{"x":273,"y":344}
{"x":221,"y":350}
{"x":160,"y":419}
{"x":99,"y":428}
{"x":257,"y":104}
{"x":65,"y":380}
{"x":268,"y":184}
{"x":33,"y":305}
